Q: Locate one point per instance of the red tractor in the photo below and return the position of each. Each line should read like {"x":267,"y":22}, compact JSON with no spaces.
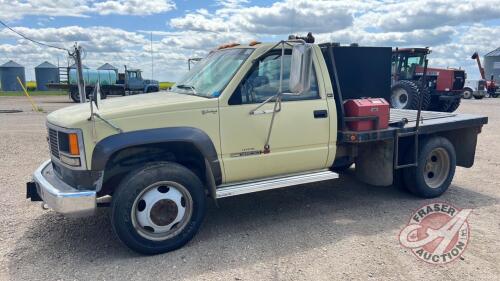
{"x":443,"y":88}
{"x":491,"y":86}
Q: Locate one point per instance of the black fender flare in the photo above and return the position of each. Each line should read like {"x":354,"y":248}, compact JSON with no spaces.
{"x":105,"y":148}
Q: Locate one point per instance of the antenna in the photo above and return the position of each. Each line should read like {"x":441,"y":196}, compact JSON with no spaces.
{"x":152,"y":58}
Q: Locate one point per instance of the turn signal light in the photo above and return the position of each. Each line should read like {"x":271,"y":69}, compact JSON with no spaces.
{"x":74,"y":149}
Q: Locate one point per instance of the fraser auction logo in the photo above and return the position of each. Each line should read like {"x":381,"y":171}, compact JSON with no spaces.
{"x":437,"y":233}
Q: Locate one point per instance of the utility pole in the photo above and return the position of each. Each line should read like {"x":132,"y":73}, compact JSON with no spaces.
{"x":79,"y":73}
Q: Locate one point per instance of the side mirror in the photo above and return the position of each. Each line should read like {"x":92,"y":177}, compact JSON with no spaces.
{"x":96,"y":95}
{"x":300,"y":69}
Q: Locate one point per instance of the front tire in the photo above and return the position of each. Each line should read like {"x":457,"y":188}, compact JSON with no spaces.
{"x":467,"y":94}
{"x":158,"y":208}
{"x":435,"y":169}
{"x":406,"y":94}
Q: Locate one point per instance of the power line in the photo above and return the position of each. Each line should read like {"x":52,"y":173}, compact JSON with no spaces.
{"x":32,"y":40}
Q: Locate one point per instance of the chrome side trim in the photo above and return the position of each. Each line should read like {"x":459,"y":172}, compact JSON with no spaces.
{"x":61,"y":197}
{"x":273,"y":183}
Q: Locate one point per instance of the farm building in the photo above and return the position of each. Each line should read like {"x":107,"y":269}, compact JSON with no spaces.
{"x":492,"y":64}
{"x":46,"y":73}
{"x":8,"y":76}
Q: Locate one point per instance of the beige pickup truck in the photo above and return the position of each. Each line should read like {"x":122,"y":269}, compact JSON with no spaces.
{"x":247,"y":118}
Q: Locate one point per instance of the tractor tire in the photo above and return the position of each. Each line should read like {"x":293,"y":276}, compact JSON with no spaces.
{"x":426,"y":99}
{"x":405,"y":95}
{"x":467,"y":94}
{"x":450,"y":106}
{"x":158,"y":208}
{"x":436,"y":167}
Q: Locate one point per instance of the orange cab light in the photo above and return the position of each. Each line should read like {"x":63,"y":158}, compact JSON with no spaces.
{"x":254,"y":42}
{"x":73,"y":144}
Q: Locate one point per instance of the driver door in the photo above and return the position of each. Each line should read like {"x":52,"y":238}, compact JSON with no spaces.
{"x":300,"y":134}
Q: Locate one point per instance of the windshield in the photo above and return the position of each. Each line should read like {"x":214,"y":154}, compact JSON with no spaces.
{"x":209,"y":77}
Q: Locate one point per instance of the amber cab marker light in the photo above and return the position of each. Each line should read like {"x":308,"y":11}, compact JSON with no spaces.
{"x":73,"y":144}
{"x":253,"y":43}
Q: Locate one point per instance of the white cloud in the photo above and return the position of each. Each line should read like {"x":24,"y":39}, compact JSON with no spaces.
{"x":17,"y":9}
{"x":133,"y":7}
{"x":428,"y":14}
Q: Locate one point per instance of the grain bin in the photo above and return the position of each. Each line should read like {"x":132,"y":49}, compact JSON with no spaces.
{"x":46,"y":73}
{"x":73,"y":66}
{"x":107,"y":66}
{"x":492,"y":64}
{"x":8,"y":76}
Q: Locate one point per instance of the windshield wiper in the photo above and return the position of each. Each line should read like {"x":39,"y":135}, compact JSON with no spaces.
{"x":184,"y":86}
{"x":193,"y":90}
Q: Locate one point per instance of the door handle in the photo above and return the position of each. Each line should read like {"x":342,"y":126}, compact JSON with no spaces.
{"x":320,"y":113}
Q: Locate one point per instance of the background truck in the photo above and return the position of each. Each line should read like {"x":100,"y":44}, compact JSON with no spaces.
{"x":443,"y":89}
{"x":276,"y":115}
{"x":111,"y":82}
{"x":474,"y":88}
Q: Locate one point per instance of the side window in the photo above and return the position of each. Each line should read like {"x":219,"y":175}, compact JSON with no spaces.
{"x":262,"y":82}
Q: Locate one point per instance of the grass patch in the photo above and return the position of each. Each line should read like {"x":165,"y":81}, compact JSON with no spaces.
{"x":166,"y":85}
{"x":33,"y":93}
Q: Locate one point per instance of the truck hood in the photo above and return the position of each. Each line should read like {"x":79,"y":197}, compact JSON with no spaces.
{"x":113,"y":108}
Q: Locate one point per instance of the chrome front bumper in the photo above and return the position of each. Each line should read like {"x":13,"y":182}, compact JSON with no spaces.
{"x":61,"y":197}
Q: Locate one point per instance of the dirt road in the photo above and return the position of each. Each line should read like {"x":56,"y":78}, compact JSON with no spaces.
{"x":337,"y":230}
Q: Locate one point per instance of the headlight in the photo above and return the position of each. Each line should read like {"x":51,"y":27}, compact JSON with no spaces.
{"x":66,"y":146}
{"x":72,"y":161}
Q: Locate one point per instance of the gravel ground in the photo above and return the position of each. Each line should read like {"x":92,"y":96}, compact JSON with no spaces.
{"x":338,"y":230}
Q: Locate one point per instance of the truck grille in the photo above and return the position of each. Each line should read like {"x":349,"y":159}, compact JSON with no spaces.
{"x":54,"y":143}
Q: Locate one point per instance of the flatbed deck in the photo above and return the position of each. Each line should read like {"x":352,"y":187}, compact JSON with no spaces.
{"x":404,"y":121}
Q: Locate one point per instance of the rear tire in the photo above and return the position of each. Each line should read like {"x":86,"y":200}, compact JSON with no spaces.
{"x":435,"y":170}
{"x":479,"y":97}
{"x":158,"y":208}
{"x":75,"y":96}
{"x":451,"y":106}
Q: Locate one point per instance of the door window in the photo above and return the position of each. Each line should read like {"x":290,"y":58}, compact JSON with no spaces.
{"x":263,"y":81}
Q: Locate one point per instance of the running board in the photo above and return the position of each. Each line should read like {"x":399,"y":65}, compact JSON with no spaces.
{"x":250,"y":187}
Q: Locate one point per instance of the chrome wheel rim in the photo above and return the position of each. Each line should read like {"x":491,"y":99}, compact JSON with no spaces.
{"x":399,"y":98}
{"x":162,"y":210}
{"x":437,"y":167}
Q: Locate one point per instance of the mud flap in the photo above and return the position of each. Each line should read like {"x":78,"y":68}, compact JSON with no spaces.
{"x":374,"y":163}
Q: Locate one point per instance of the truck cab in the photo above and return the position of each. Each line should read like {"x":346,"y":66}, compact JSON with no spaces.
{"x":245,"y":119}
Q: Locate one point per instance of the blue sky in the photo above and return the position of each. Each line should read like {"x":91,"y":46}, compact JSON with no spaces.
{"x":117,"y":31}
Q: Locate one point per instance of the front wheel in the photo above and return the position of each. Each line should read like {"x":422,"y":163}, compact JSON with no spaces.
{"x":435,"y":169}
{"x":467,"y":94}
{"x":158,"y":208}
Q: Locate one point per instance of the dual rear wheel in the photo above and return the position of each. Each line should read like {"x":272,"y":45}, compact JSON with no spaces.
{"x":435,"y":169}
